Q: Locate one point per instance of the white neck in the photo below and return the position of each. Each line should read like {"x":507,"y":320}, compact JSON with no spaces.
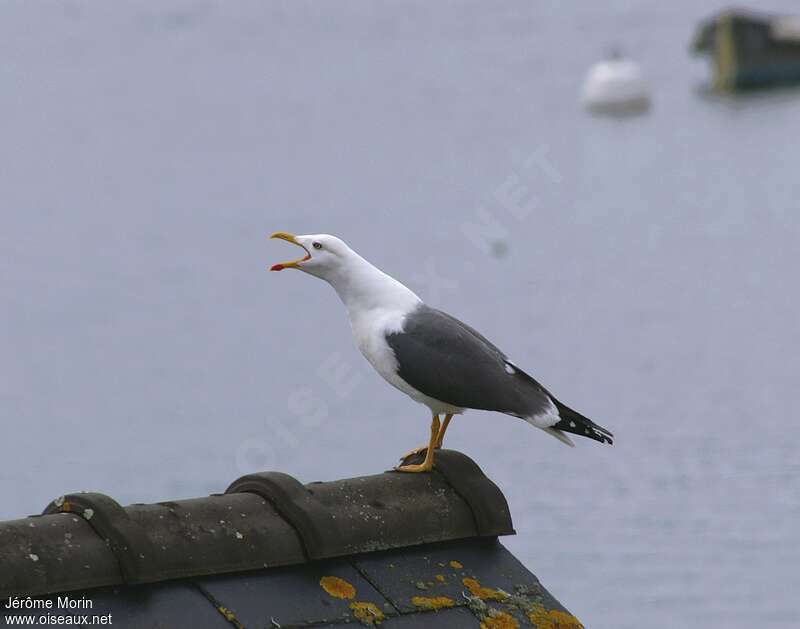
{"x":363,"y":287}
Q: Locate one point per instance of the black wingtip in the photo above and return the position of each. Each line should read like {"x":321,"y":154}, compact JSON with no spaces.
{"x":575,"y":423}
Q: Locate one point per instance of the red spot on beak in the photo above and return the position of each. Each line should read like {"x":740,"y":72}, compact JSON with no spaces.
{"x":276,"y":267}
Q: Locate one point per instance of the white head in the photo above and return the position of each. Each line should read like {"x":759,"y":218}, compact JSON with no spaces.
{"x":326,"y":256}
{"x":358,"y":283}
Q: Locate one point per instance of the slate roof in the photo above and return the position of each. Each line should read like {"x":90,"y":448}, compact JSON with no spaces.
{"x":395,"y":550}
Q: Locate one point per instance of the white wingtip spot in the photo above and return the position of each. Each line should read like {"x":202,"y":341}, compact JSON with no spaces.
{"x":510,"y":369}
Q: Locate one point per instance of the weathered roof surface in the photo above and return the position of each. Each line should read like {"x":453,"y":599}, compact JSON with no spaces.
{"x":405,"y":550}
{"x":457,"y":584}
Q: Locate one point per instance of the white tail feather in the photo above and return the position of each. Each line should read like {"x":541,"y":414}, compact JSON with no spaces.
{"x":560,"y":436}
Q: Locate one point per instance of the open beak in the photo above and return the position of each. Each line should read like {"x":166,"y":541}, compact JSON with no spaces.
{"x":293,"y":264}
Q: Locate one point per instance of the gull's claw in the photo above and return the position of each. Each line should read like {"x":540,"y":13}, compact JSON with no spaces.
{"x":420,"y":450}
{"x":422,"y":467}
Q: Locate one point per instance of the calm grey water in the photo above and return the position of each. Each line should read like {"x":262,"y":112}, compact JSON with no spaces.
{"x":644,"y":269}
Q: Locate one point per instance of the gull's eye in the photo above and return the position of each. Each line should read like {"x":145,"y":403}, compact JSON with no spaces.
{"x":317,"y":245}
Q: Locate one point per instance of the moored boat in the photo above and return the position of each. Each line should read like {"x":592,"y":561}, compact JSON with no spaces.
{"x":750,"y":50}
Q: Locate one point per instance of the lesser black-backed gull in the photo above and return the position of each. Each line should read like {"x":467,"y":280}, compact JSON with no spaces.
{"x":429,"y":355}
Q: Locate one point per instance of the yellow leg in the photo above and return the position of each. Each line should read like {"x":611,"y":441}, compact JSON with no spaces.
{"x":427,"y":464}
{"x":439,"y":439}
{"x":443,"y":429}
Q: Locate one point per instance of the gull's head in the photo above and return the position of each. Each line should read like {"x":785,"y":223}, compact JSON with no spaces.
{"x":324,"y":257}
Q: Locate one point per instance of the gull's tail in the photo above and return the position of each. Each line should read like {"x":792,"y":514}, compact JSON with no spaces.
{"x":575,"y":423}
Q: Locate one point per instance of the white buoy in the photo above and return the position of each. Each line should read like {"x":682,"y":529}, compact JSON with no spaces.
{"x":616,"y":86}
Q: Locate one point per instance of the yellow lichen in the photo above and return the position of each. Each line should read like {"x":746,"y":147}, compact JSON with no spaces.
{"x":553,"y":619}
{"x":432,"y":602}
{"x":230,"y":616}
{"x":456,"y":564}
{"x":367,"y":613}
{"x":499,"y":620}
{"x":487,"y":594}
{"x":337,"y":587}
{"x":440,"y":578}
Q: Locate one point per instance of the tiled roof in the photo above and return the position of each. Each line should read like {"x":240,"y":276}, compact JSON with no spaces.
{"x":400,"y":550}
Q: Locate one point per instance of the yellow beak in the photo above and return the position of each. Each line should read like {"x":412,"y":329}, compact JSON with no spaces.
{"x":292,"y":264}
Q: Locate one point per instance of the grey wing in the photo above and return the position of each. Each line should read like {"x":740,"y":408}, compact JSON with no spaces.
{"x":449,"y":361}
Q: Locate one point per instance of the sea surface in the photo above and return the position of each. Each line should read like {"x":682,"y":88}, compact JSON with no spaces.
{"x":644,"y":269}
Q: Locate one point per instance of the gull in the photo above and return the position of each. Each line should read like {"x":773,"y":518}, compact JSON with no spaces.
{"x":428,"y":354}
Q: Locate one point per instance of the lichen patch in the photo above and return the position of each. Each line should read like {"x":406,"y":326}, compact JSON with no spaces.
{"x":338,"y":588}
{"x":487,"y":594}
{"x":230,"y":616}
{"x":368,"y":614}
{"x":553,"y":619}
{"x":499,"y":620}
{"x":432,"y":602}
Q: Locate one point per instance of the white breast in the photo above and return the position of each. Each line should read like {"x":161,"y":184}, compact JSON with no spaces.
{"x":377,"y":305}
{"x":369,"y":334}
